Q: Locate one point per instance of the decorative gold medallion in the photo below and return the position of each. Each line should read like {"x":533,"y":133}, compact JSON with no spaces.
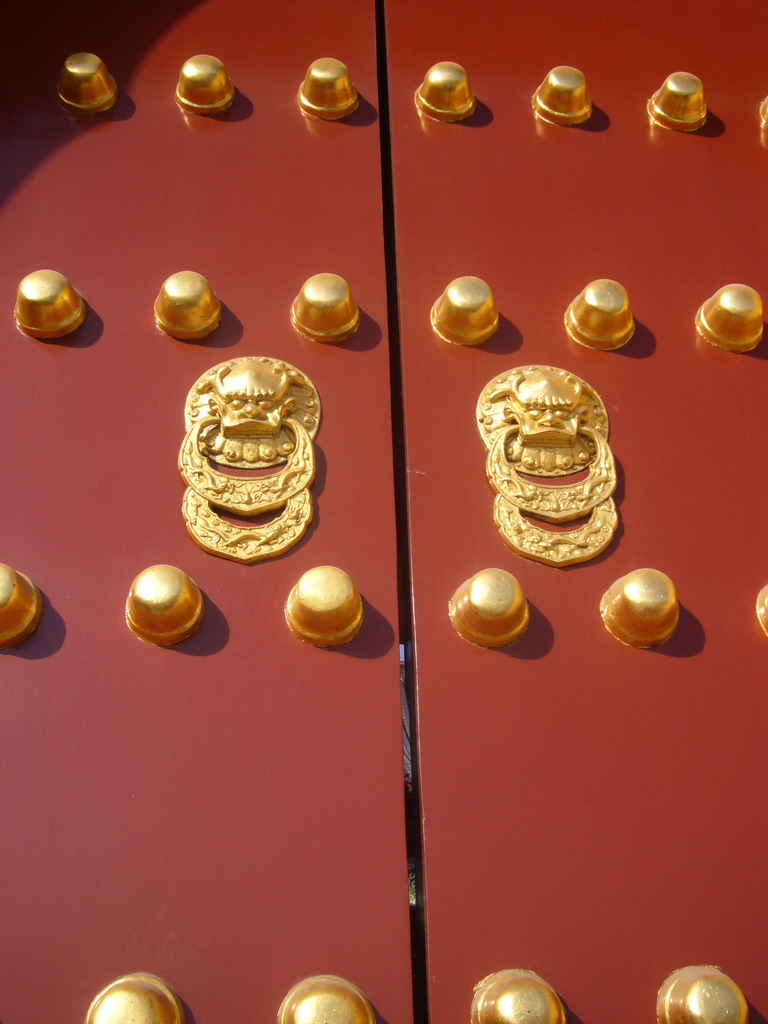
{"x":252,"y":413}
{"x":539,"y":421}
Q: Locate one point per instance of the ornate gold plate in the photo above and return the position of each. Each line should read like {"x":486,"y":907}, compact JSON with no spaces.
{"x":542,"y":422}
{"x":252,"y":413}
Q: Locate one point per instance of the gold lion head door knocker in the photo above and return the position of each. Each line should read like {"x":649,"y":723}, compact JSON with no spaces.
{"x":253,"y":413}
{"x":540,"y":422}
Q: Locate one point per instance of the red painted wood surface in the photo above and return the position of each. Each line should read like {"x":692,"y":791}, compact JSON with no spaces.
{"x":227,"y":814}
{"x":592,"y":812}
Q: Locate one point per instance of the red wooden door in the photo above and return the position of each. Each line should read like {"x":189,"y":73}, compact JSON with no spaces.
{"x":590,"y":811}
{"x":228,"y":813}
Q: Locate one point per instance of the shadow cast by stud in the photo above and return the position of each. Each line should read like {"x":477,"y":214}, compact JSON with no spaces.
{"x":570,"y":1016}
{"x":480,"y":117}
{"x":211,"y":637}
{"x":377,"y":1015}
{"x":47,"y":638}
{"x":507,"y":339}
{"x":87,"y":334}
{"x":240,"y":110}
{"x":641,"y":345}
{"x":366,"y":114}
{"x":598,"y":121}
{"x":228,"y":333}
{"x":755,"y":1016}
{"x":375,"y":638}
{"x":366,"y":337}
{"x":123,"y":110}
{"x":688,"y":639}
{"x":760,"y":351}
{"x":537,"y":640}
{"x":712,"y":128}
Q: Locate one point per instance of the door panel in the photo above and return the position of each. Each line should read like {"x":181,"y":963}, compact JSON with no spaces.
{"x":590,"y":811}
{"x":227,"y":813}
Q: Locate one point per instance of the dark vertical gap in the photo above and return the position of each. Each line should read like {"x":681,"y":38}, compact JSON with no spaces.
{"x":412,"y":801}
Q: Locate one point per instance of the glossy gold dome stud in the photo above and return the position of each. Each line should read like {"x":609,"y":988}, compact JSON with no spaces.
{"x":324,"y":309}
{"x":489,"y":609}
{"x":164,"y":606}
{"x":324,"y":998}
{"x":327,"y":91}
{"x":136,"y":999}
{"x":465,"y":314}
{"x":562,"y":97}
{"x":600,"y":316}
{"x":641,"y":609}
{"x":204,"y":86}
{"x":700,"y":995}
{"x":324,"y":608}
{"x":732,"y":318}
{"x":187,"y":307}
{"x":47,"y":306}
{"x":763,"y":112}
{"x":761,"y":607}
{"x":514,"y":996}
{"x":679,"y":103}
{"x":85,"y":85}
{"x":445,"y":94}
{"x":20,"y":606}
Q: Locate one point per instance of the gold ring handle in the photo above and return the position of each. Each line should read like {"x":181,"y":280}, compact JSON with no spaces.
{"x":242,"y":494}
{"x":553,"y":504}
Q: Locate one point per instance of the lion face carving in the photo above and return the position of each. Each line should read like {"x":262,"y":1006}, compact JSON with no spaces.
{"x":253,"y":405}
{"x":547,"y":405}
{"x":253,"y":399}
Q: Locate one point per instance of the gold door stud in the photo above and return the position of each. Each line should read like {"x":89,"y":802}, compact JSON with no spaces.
{"x":445,"y":94}
{"x":85,"y":85}
{"x":562,"y":97}
{"x":327,"y":91}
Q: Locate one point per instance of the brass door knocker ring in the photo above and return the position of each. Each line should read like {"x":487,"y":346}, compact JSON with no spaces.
{"x":552,"y":503}
{"x":562,"y":548}
{"x":247,"y":495}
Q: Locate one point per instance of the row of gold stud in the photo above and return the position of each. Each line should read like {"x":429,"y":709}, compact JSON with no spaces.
{"x":204,"y":87}
{"x":327,"y":92}
{"x":48,"y":306}
{"x":640,"y":609}
{"x":698,"y":993}
{"x":600,"y":316}
{"x":165,"y":606}
{"x":324,"y":608}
